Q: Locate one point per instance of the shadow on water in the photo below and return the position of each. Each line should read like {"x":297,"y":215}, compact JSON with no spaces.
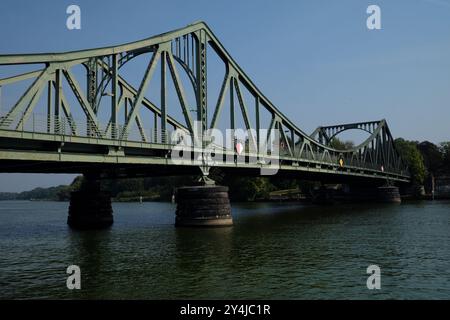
{"x":90,"y":250}
{"x":265,"y":215}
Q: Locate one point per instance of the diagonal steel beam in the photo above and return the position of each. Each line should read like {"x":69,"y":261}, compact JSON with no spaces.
{"x":271,"y":126}
{"x":141,"y":129}
{"x":30,"y":106}
{"x":87,"y":108}
{"x":66,"y":109}
{"x":21,"y":77}
{"x":118,"y":107}
{"x":141,"y":92}
{"x":244,"y":112}
{"x":283,"y":134}
{"x":180,"y":92}
{"x":25,"y":98}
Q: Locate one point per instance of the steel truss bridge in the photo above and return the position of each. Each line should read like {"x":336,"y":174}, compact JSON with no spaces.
{"x":77,"y":111}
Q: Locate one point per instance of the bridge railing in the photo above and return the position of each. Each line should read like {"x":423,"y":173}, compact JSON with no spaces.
{"x":349,"y":161}
{"x":75,"y":127}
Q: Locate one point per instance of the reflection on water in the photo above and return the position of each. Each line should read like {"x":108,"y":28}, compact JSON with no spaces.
{"x":274,"y":251}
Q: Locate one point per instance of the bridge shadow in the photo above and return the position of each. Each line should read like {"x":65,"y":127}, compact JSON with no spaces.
{"x":270,"y":214}
{"x":91,"y":251}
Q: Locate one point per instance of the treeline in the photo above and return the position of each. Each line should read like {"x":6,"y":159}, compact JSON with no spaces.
{"x":163,"y":188}
{"x":50,"y":194}
{"x":425,"y":160}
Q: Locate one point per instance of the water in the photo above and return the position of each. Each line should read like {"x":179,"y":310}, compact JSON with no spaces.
{"x":274,"y":251}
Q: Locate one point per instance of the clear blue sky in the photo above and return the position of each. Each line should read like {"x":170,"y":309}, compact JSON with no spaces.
{"x":314,"y":59}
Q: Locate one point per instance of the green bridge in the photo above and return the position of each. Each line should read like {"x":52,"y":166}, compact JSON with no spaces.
{"x":80,"y":112}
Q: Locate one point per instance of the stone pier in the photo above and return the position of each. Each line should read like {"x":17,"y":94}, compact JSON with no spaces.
{"x":90,"y":207}
{"x":324,"y":196}
{"x":388,"y":194}
{"x":380,"y":194}
{"x":203,"y":206}
{"x":357,"y":193}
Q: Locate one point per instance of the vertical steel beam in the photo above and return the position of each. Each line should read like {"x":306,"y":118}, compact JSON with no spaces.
{"x":163,"y":98}
{"x":49,"y":106}
{"x":258,"y":125}
{"x":202,"y":79}
{"x":126,"y":110}
{"x":184,"y":49}
{"x":58,"y":88}
{"x":92,"y":83}
{"x":155,"y":128}
{"x":232,"y":105}
{"x":292,"y":141}
{"x":114,"y":96}
{"x":188,"y":51}
{"x":192,"y":53}
{"x":92,"y":91}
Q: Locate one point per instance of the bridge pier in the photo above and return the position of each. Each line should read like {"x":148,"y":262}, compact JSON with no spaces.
{"x":90,"y":207}
{"x":383,"y":194}
{"x":324,"y":196}
{"x":356,"y":193}
{"x":203,"y":206}
{"x":389,"y":194}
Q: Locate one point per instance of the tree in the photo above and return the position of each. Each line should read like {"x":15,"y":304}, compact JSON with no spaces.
{"x":444,"y":148}
{"x":336,"y":143}
{"x":432,"y":156}
{"x":410,"y":153}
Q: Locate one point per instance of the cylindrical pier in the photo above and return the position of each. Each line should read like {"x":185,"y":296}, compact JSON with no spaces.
{"x":90,"y":208}
{"x":389,"y":194}
{"x":324,"y":196}
{"x":203,"y":206}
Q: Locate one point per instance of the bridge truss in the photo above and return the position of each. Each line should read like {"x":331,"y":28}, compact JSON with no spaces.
{"x":108,"y":121}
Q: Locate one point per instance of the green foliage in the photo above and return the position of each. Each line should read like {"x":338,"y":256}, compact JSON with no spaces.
{"x":283,"y":183}
{"x":248,"y":188}
{"x":155,"y":188}
{"x":410,"y":153}
{"x":336,"y":143}
{"x":53,"y":193}
{"x":432,"y":157}
{"x":444,"y":148}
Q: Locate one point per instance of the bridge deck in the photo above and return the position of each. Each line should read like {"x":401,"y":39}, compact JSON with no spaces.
{"x":49,"y":153}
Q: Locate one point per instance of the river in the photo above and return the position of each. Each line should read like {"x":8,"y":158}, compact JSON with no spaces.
{"x":274,"y":251}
